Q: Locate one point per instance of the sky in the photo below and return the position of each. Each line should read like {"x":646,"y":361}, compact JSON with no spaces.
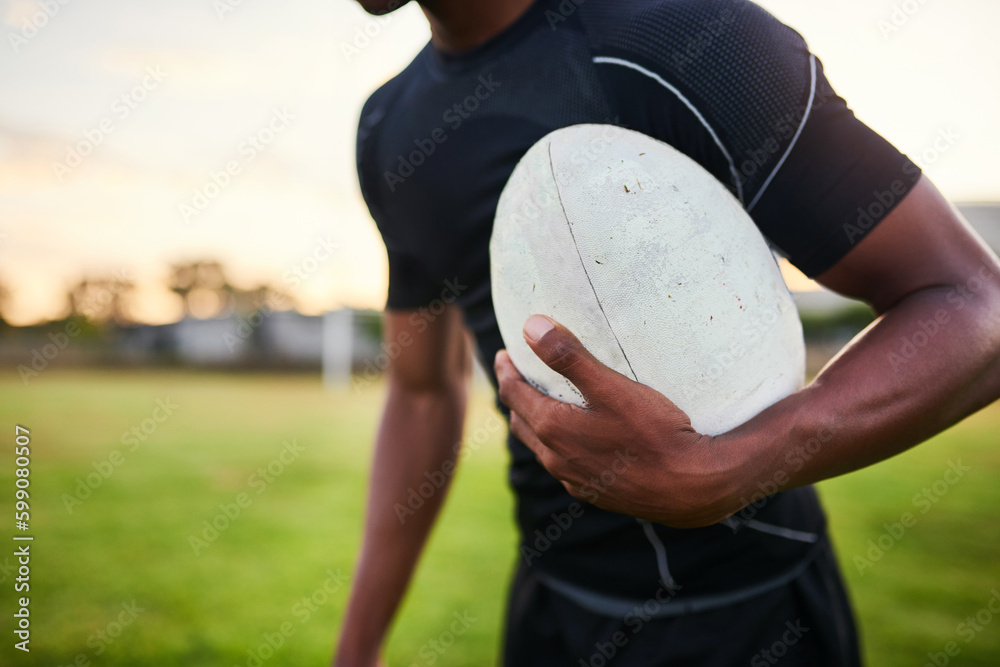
{"x":135,"y":134}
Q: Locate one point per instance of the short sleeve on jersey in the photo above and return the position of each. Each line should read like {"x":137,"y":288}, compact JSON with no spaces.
{"x":838,"y":180}
{"x":409,"y":284}
{"x":739,"y":92}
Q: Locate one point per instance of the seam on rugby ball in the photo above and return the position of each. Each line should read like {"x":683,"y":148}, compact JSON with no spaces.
{"x":584,"y":264}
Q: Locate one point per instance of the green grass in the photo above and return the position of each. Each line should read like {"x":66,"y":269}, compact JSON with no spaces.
{"x":130,"y":539}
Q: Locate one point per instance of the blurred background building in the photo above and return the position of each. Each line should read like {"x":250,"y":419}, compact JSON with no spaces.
{"x":179,"y":180}
{"x":225,"y":327}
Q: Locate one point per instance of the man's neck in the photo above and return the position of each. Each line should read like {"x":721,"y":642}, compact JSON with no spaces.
{"x":458,"y":25}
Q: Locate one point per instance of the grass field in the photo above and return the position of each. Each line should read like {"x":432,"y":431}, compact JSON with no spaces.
{"x":117,"y":578}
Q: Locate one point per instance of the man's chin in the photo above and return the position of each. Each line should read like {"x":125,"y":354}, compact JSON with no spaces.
{"x":379,"y":7}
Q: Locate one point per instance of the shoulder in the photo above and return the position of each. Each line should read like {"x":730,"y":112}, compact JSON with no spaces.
{"x":390,"y":95}
{"x":719,"y":79}
{"x":687,"y":39}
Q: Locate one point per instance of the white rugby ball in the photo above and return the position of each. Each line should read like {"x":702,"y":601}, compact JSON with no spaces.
{"x":655,"y":267}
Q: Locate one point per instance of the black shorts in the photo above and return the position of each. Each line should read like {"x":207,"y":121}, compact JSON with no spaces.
{"x":804,"y":623}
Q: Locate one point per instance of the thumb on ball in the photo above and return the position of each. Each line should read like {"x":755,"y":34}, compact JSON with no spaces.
{"x":565,"y":354}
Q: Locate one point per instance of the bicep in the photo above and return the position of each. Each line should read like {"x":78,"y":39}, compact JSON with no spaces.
{"x":426,"y":351}
{"x":923,"y":243}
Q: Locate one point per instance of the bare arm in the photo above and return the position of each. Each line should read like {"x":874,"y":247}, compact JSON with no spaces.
{"x":932,"y":358}
{"x":421,"y":425}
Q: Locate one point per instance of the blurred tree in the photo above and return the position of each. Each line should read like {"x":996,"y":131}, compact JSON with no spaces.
{"x":4,"y":300}
{"x":206,"y":291}
{"x":101,"y":300}
{"x":265,"y":298}
{"x":203,"y":286}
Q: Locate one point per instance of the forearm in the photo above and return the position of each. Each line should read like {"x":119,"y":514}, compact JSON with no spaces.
{"x":418,"y":435}
{"x":931,"y":360}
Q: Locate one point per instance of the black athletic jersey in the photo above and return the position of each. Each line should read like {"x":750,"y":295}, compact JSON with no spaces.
{"x":722,"y":81}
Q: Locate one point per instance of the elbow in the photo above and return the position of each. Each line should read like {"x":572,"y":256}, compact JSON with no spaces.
{"x":977,"y":297}
{"x":980,"y":292}
{"x":427,"y":388}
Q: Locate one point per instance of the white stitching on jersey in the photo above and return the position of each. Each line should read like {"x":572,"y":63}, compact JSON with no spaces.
{"x":661,"y":554}
{"x":780,"y":531}
{"x":656,"y":77}
{"x":809,"y":106}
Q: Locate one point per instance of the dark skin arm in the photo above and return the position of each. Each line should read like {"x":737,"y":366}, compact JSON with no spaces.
{"x":422,"y":421}
{"x":922,"y":265}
